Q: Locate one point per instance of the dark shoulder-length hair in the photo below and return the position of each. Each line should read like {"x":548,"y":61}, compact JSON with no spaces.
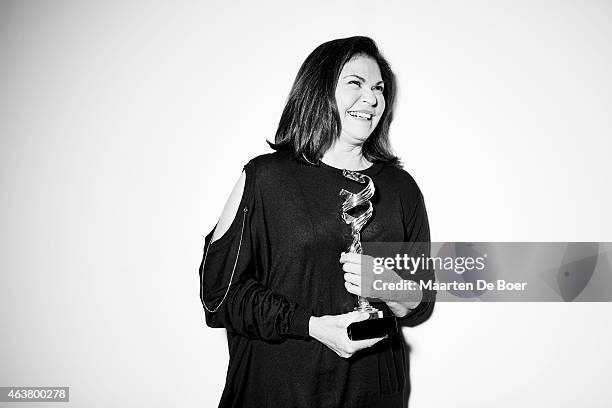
{"x":310,"y":122}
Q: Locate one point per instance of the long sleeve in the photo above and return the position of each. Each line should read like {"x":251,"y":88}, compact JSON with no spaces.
{"x":418,"y":243}
{"x":231,"y":294}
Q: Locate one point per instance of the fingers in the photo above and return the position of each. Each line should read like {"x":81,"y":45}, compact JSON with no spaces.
{"x":353,"y":289}
{"x":356,"y":316}
{"x":352,"y":347}
{"x":352,"y":268}
{"x":350,"y":257}
{"x":351,"y":317}
{"x":345,"y":319}
{"x":337,"y":338}
{"x":352,"y":278}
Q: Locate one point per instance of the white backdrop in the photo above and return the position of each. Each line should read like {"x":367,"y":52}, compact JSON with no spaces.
{"x":124,"y":126}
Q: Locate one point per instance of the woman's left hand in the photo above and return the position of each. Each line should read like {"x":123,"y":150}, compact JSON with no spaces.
{"x":352,"y":265}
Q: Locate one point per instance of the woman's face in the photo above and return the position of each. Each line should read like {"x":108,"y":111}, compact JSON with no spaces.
{"x":359,"y":97}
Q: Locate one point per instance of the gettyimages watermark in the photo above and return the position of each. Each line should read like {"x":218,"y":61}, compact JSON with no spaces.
{"x":488,"y":271}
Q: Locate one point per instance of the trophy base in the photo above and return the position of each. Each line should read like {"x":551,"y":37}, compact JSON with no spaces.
{"x":377,"y":325}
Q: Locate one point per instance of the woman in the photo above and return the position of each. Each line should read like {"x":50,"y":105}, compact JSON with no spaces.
{"x":274,"y":271}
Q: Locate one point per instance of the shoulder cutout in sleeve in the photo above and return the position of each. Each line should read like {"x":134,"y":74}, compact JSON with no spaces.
{"x":230,"y":209}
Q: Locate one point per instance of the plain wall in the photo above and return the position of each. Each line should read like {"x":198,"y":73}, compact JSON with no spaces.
{"x":124,"y":125}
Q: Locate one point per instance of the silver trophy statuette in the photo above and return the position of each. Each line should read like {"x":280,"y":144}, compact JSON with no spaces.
{"x":357,"y":222}
{"x":378,"y":325}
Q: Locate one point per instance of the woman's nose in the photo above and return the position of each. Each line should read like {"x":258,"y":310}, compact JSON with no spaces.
{"x":369,"y":97}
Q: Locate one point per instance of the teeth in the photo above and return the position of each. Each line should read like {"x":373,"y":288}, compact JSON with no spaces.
{"x":360,"y":115}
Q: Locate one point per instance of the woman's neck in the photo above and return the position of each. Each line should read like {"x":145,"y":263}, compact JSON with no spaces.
{"x":345,"y":156}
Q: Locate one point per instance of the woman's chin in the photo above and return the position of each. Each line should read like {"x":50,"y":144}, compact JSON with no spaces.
{"x":357,"y":137}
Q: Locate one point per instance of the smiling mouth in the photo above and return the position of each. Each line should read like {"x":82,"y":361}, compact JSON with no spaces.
{"x":360,"y":115}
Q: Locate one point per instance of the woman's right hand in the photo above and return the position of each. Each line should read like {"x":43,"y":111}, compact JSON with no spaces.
{"x":331,"y":331}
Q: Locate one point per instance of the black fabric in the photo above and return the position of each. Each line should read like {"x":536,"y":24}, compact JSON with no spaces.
{"x":288,"y":269}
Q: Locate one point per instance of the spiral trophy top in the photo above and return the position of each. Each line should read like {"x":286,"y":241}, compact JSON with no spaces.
{"x":352,"y":200}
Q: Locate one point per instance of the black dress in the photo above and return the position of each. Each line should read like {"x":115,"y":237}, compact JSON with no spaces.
{"x":281,"y":254}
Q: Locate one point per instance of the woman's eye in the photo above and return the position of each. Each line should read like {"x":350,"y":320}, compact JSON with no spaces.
{"x":379,"y":88}
{"x":355,"y":83}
